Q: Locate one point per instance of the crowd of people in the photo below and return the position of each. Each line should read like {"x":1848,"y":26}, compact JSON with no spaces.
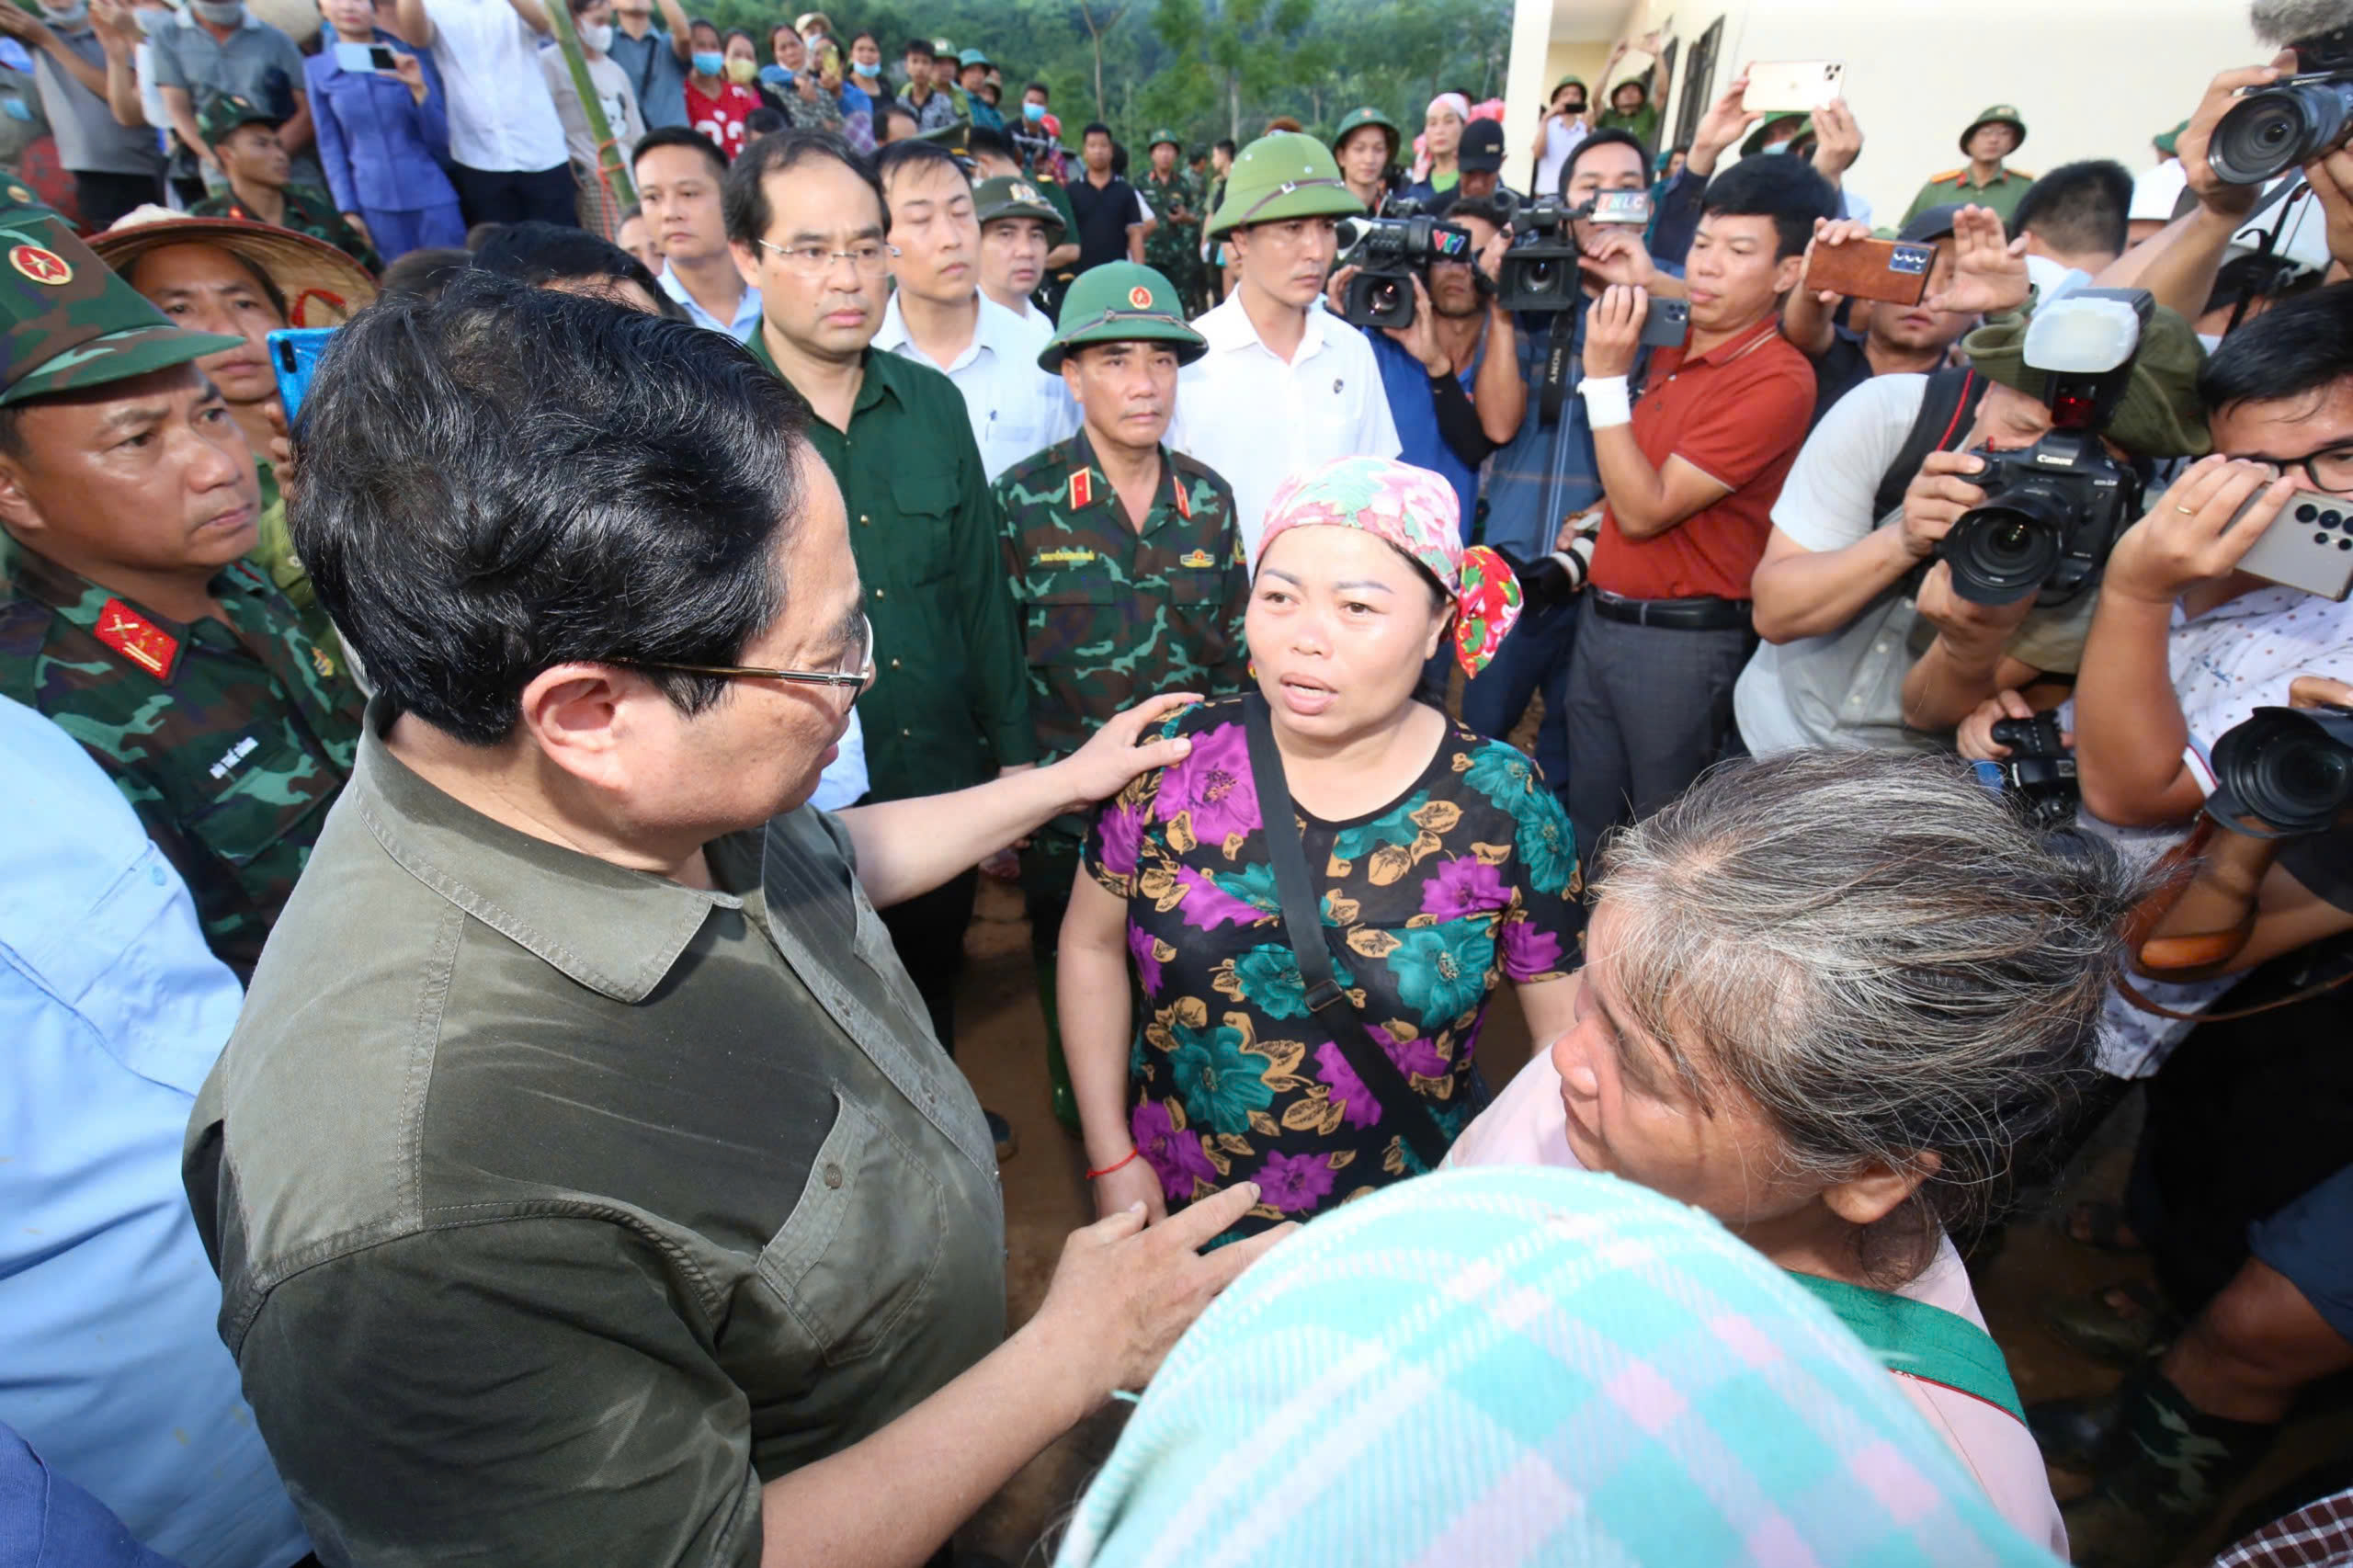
{"x":501,"y":785}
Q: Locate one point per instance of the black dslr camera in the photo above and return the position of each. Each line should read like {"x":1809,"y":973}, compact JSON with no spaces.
{"x":2290,"y":769}
{"x":2295,"y":119}
{"x":1389,"y":252}
{"x":2040,"y":773}
{"x":2053,"y":510}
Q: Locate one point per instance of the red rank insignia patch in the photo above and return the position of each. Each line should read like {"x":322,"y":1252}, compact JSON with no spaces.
{"x":40,"y":266}
{"x":142,"y":641}
{"x":1184,"y":502}
{"x":1082,"y":488}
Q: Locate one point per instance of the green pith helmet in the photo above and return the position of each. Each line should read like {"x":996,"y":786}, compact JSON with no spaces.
{"x":1286,"y":175}
{"x":1164,"y":134}
{"x":972,"y":57}
{"x":1357,"y":117}
{"x":66,"y":321}
{"x":1123,"y":301}
{"x":228,"y":111}
{"x":1764,"y":131}
{"x":1011,"y":196}
{"x":2000,"y":114}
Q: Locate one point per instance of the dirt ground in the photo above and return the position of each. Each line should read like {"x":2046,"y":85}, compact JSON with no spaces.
{"x":1000,"y":1046}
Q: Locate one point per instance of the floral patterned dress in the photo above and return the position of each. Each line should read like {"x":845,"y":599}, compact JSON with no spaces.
{"x":1460,"y":882}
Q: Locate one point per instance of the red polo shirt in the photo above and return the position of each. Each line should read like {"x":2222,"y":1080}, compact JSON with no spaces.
{"x":1738,"y":415}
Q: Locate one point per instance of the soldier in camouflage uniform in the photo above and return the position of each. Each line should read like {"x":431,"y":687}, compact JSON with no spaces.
{"x":244,"y":136}
{"x":1125,"y":561}
{"x":1173,"y":246}
{"x":127,"y":498}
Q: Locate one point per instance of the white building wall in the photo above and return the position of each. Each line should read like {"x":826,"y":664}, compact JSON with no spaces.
{"x":2093,"y":78}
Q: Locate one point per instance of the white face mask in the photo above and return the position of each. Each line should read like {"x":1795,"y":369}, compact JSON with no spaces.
{"x":598,"y":38}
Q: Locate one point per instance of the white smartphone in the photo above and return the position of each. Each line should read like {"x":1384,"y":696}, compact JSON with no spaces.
{"x":1805,"y":85}
{"x":361,"y":59}
{"x":2309,"y":545}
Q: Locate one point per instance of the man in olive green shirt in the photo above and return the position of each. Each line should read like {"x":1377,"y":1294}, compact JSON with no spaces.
{"x":1985,"y":180}
{"x":584,"y":1182}
{"x":951,"y":703}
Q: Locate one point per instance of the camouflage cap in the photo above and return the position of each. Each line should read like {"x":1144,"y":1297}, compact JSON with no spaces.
{"x":66,"y":321}
{"x":1286,"y":173}
{"x":1010,"y":196}
{"x":1355,"y":119}
{"x":2000,"y":114}
{"x":1164,"y":134}
{"x":1123,"y":301}
{"x":226,"y":111}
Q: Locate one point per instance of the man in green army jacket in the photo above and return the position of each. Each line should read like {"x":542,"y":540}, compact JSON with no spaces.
{"x":1174,"y":247}
{"x":244,"y":136}
{"x":1125,"y":562}
{"x":950,"y":706}
{"x":127,"y":498}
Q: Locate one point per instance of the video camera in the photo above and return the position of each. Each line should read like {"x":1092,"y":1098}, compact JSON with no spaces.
{"x":2290,"y":769}
{"x":1540,"y":272}
{"x":1388,"y":252}
{"x":2053,"y":510}
{"x":2294,"y":120}
{"x":2038,"y":774}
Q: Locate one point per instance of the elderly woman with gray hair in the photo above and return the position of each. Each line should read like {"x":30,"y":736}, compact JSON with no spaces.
{"x":1835,"y":998}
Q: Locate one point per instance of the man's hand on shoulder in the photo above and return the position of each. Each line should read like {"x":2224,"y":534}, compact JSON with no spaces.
{"x":1118,"y":751}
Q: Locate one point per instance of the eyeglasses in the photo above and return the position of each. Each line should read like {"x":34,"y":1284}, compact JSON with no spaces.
{"x":856,"y":671}
{"x":814,"y":261}
{"x":2330,"y":468}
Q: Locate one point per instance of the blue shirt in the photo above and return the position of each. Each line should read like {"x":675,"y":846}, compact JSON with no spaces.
{"x":380,"y":148}
{"x":113,"y":1010}
{"x":1415,"y":411}
{"x":45,"y":1519}
{"x":655,"y":74}
{"x":1516,"y":520}
{"x":747,"y":309}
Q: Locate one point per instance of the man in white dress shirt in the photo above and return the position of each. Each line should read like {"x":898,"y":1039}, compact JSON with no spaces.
{"x":939,"y":316}
{"x":507,"y":154}
{"x":1285,"y":384}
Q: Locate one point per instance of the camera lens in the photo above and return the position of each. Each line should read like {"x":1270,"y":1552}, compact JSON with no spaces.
{"x":2003,"y":552}
{"x":2286,"y":769}
{"x":2269,"y":133}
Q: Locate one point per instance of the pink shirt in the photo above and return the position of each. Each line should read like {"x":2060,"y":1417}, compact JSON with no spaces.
{"x":1527,"y":1125}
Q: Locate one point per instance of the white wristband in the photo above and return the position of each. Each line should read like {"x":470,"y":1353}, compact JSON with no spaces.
{"x":1606,"y":403}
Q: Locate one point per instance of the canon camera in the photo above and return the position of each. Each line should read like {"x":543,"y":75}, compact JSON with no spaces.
{"x":2053,"y":511}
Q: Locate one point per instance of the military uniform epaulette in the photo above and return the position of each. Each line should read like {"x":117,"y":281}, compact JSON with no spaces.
{"x":1954,"y":177}
{"x":24,"y":626}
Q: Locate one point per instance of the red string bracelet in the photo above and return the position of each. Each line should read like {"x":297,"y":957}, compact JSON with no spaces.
{"x":1114,"y":1166}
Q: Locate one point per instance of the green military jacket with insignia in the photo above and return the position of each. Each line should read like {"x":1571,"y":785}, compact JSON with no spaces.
{"x":309,"y":210}
{"x":1174,"y":245}
{"x":229,"y":740}
{"x":1111,"y":614}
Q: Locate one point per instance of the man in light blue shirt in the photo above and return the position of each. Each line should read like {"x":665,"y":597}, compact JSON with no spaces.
{"x":114,"y":1009}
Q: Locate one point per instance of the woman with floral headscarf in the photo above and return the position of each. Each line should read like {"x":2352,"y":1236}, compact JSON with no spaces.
{"x":1442,"y":865}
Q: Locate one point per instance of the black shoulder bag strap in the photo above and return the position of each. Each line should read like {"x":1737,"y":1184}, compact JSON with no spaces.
{"x":1303,"y":924}
{"x":1948,"y":405}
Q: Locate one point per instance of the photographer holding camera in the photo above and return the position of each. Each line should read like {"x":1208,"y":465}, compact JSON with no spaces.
{"x":1451,"y":369}
{"x":2243,"y":1182}
{"x":2184,"y":644}
{"x":1542,"y":489}
{"x":1866,"y":642}
{"x":1689,"y":472}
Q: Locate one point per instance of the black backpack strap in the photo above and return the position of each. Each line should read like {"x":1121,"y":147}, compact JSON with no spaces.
{"x":1948,"y":407}
{"x":1303,"y":924}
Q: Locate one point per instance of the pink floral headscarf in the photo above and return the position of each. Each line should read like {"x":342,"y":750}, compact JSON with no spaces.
{"x":1415,"y":511}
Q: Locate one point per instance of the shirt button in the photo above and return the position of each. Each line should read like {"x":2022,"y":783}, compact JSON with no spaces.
{"x":863,"y":519}
{"x":155,"y":875}
{"x":894,"y":664}
{"x":881,"y":595}
{"x":833,"y":1176}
